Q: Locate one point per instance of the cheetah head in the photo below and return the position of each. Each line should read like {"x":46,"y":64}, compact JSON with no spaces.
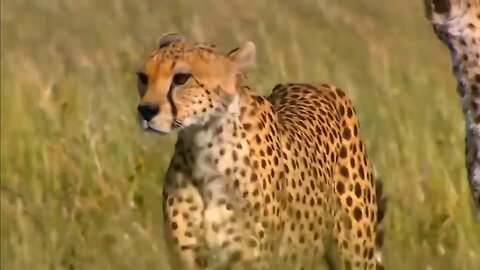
{"x":186,"y":84}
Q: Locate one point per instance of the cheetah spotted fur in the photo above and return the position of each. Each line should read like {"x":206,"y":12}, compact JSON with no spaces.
{"x":258,"y":181}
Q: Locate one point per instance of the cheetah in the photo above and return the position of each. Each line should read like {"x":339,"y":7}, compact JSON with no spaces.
{"x":257,"y":181}
{"x":456,"y":23}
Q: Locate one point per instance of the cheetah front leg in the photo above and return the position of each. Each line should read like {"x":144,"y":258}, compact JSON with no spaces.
{"x":229,"y":230}
{"x":183,"y":209}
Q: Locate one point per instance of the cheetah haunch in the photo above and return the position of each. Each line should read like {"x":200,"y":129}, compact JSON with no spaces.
{"x":257,"y":181}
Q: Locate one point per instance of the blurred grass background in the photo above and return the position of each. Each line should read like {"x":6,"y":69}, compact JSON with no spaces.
{"x":81,"y":182}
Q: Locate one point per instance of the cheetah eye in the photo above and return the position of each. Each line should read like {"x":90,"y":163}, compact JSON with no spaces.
{"x":181,"y":78}
{"x":142,"y":77}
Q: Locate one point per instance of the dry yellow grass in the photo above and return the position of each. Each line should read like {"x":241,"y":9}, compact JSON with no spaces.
{"x":81,"y":183}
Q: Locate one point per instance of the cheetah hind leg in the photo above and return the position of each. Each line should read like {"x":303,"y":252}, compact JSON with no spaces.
{"x":355,"y":217}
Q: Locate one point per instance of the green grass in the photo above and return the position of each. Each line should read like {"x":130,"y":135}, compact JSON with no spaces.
{"x":81,"y":183}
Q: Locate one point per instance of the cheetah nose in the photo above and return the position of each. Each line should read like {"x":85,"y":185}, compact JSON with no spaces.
{"x":148,"y":110}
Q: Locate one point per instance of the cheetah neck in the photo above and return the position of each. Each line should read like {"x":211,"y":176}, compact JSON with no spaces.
{"x":218,"y":146}
{"x":461,"y":33}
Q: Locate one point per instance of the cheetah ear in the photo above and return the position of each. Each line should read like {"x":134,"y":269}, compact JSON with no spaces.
{"x":433,"y":7}
{"x":243,"y":56}
{"x":170,"y":38}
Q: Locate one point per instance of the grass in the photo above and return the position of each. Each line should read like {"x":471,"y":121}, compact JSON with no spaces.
{"x":81,"y":183}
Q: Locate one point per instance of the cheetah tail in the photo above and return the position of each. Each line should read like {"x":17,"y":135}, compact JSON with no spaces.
{"x":381,"y":210}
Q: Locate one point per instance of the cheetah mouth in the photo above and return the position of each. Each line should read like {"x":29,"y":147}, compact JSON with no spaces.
{"x":149,"y":129}
{"x":146,"y":126}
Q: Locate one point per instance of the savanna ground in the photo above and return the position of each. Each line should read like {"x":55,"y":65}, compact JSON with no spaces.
{"x":81,"y":182}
